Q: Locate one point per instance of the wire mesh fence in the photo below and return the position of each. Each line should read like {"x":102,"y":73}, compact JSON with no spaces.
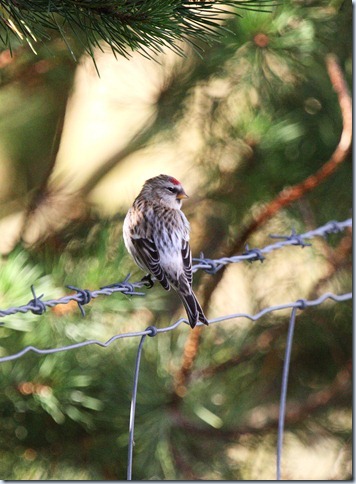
{"x":83,"y":296}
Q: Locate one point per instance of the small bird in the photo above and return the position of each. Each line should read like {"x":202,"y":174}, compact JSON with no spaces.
{"x":156,"y":234}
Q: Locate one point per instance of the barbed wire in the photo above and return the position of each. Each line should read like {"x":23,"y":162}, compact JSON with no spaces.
{"x":37,"y":306}
{"x":152,"y":330}
{"x":211,"y":266}
{"x":83,"y":296}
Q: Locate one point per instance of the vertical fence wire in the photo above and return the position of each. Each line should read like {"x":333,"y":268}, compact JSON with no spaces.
{"x":133,"y":409}
{"x":283,"y":400}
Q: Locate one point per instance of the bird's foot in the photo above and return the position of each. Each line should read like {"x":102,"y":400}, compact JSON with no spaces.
{"x":147,"y":279}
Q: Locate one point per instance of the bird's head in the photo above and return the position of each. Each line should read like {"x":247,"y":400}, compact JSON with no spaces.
{"x":166,"y":190}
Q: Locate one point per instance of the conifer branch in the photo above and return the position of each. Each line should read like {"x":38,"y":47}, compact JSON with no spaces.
{"x":125,"y":26}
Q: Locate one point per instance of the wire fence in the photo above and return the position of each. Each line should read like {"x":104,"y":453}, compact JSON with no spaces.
{"x":83,"y":296}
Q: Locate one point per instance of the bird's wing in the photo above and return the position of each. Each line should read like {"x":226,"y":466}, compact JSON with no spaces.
{"x":187,"y":261}
{"x":149,"y":257}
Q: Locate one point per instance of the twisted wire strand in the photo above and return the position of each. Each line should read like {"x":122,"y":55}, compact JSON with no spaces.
{"x":211,"y":266}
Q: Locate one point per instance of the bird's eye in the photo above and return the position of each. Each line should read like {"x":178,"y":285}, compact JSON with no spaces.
{"x":171,"y":189}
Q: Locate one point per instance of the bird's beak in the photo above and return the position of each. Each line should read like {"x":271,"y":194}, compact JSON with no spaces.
{"x":182,"y":195}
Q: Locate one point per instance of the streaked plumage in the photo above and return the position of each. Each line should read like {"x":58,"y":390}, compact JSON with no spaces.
{"x":156,"y":234}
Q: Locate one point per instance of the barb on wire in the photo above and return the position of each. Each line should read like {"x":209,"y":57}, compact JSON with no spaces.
{"x":295,"y":238}
{"x":36,"y":306}
{"x":256,"y":254}
{"x":211,"y":266}
{"x":84,"y":297}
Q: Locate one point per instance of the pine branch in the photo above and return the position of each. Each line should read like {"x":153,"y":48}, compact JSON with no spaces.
{"x":125,"y":26}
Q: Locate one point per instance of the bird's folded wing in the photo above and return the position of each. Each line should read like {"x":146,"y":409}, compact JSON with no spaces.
{"x":187,"y":261}
{"x":149,"y":257}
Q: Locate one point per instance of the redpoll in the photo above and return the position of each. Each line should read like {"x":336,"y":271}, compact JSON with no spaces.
{"x":156,"y":234}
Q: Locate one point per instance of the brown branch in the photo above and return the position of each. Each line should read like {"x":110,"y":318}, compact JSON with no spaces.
{"x":283,"y":199}
{"x":190,"y":352}
{"x":295,"y":192}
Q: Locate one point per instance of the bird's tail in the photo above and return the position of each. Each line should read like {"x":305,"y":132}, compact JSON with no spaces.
{"x":193,"y":309}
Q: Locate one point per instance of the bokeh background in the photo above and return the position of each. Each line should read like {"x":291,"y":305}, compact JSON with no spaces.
{"x":237,"y":124}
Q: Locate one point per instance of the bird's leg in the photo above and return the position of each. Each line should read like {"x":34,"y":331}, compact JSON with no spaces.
{"x":147,"y":279}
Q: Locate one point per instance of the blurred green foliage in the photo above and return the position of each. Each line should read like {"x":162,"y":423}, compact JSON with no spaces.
{"x":66,"y":415}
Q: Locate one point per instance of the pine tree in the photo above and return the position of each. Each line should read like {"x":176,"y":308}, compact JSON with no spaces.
{"x":262,"y":103}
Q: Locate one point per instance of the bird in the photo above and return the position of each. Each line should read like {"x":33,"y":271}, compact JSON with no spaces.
{"x":156,"y":235}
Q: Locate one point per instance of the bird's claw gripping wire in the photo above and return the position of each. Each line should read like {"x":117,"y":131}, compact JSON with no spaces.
{"x":147,"y":280}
